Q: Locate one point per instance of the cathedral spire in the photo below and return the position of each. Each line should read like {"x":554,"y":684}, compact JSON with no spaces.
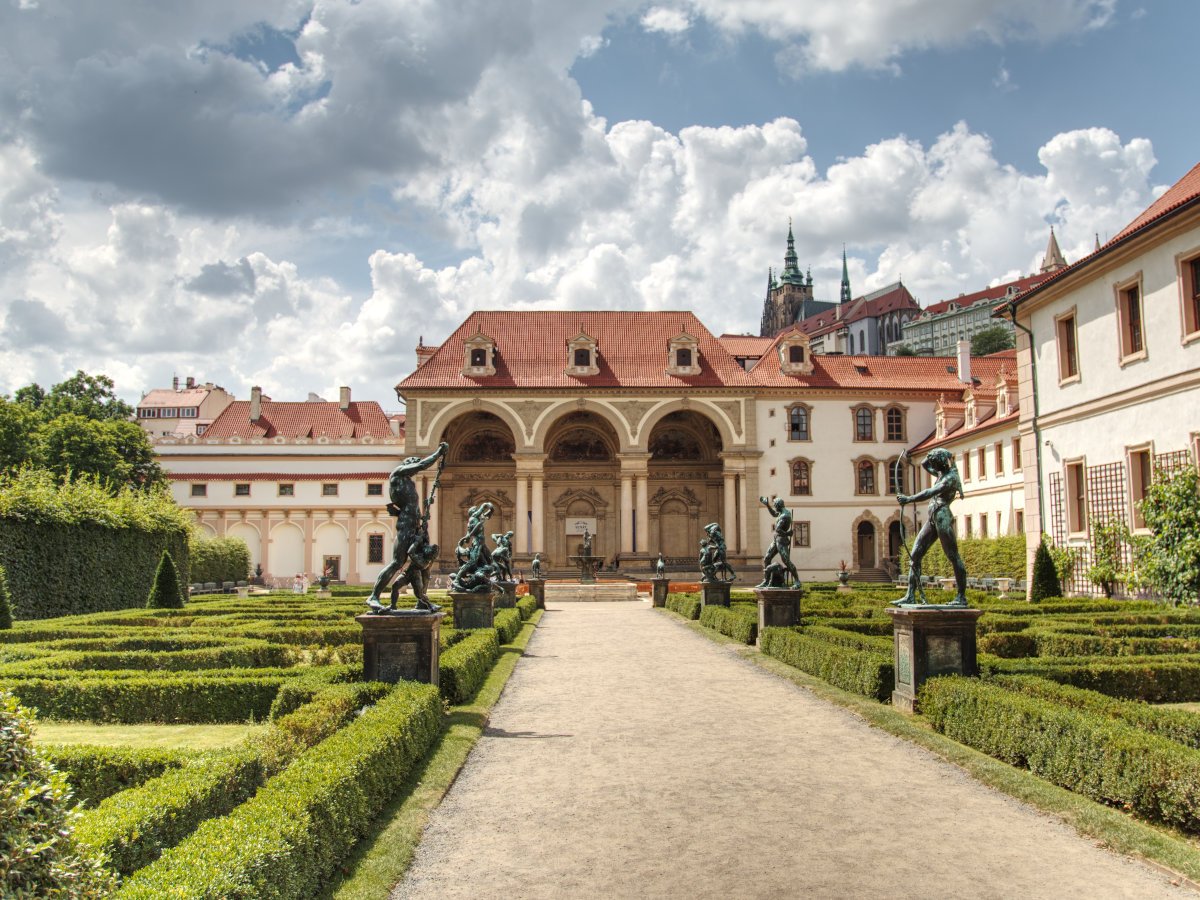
{"x":791,"y":263}
{"x":1053,"y":260}
{"x":846,"y":296}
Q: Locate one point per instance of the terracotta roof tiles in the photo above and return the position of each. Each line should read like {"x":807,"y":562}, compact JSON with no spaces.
{"x":308,"y":419}
{"x":999,"y":292}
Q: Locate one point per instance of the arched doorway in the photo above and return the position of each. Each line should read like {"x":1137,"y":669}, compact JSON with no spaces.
{"x":480,"y":467}
{"x":866,"y":545}
{"x":582,"y":483}
{"x":684,"y":484}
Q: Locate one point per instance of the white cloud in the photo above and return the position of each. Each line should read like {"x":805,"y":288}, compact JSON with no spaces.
{"x":666,"y":20}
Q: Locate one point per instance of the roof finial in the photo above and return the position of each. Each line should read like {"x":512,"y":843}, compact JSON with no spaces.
{"x":1096,"y":249}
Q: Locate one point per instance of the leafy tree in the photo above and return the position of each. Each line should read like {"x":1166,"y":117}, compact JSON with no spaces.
{"x":90,"y":396}
{"x":115,"y":451}
{"x":16,"y":434}
{"x":1169,"y":557}
{"x":905,"y":350}
{"x":133,"y":446}
{"x":1045,"y":576}
{"x":40,"y":857}
{"x":992,"y":339}
{"x":5,"y":602}
{"x":166,"y":593}
{"x":1107,"y":569}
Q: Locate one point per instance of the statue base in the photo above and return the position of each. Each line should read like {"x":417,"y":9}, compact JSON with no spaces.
{"x":714,"y":593}
{"x":660,"y":588}
{"x":507,"y":598}
{"x":473,"y":610}
{"x":537,"y":590}
{"x":401,"y":648}
{"x":323,"y":595}
{"x":777,"y":608}
{"x":929,"y":642}
{"x":588,"y":567}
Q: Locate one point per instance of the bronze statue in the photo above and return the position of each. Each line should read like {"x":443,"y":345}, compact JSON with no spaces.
{"x":412,"y":544}
{"x":708,"y":564}
{"x":475,"y":568}
{"x":587,"y":542}
{"x":940,"y":524}
{"x":781,"y":545}
{"x":660,"y":567}
{"x":502,"y":555}
{"x":536,"y":566}
{"x":717,"y":539}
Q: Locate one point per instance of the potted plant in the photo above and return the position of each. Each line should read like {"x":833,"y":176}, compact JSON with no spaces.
{"x":843,"y":574}
{"x":324,"y":579}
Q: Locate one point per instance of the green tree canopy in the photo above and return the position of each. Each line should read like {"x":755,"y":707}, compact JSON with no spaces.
{"x":992,"y":339}
{"x":905,"y":350}
{"x":116,"y":452}
{"x":16,"y":434}
{"x":90,"y":396}
{"x":1169,"y":557}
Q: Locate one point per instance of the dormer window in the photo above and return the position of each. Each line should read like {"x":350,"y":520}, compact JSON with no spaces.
{"x":795,"y":355}
{"x":683,"y":355}
{"x":583,"y":355}
{"x":479,"y":357}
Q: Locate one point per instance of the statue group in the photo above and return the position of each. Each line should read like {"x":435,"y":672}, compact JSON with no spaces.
{"x":777,"y":561}
{"x":714,"y":565}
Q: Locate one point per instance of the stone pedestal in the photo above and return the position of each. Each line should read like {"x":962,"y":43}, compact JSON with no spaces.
{"x":323,"y":595}
{"x":243,"y":593}
{"x":660,"y":586}
{"x":401,"y":648}
{"x":473,"y":610}
{"x":778,"y":608}
{"x":714,"y":593}
{"x":507,"y":598}
{"x":929,"y":642}
{"x":537,"y":590}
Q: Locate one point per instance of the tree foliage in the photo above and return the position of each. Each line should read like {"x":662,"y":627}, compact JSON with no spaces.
{"x":1168,"y":559}
{"x":1045,"y":575}
{"x":992,"y":339}
{"x":90,"y":396}
{"x":17,"y":423}
{"x":166,"y":593}
{"x":218,"y":559}
{"x":905,"y":350}
{"x":1107,"y":568}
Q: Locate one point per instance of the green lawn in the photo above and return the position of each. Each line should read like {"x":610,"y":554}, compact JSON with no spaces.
{"x":195,"y":737}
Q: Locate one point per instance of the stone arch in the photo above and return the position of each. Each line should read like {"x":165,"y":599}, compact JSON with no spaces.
{"x":700,"y":407}
{"x":332,"y":539}
{"x":208,"y":528}
{"x":675,"y":522}
{"x":249,"y":533}
{"x":864,"y":524}
{"x":288,"y":553}
{"x":443,"y":418}
{"x":549,"y":421}
{"x":891,"y":549}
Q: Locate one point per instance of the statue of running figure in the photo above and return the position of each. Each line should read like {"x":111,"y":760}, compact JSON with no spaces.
{"x":411,"y":523}
{"x":781,"y":546}
{"x":940,"y":524}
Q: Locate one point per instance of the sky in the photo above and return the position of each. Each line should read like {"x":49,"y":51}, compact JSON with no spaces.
{"x":291,"y":193}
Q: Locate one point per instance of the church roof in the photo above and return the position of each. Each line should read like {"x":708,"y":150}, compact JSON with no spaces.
{"x":307,"y":419}
{"x":892,"y":297}
{"x":531,"y":351}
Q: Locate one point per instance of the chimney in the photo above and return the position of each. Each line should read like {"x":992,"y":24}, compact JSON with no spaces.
{"x":424,"y":351}
{"x":255,"y":403}
{"x":344,"y":398}
{"x":964,"y":361}
{"x":191,"y":382}
{"x":175,"y":383}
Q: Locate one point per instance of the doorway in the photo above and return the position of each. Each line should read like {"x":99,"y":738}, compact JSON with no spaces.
{"x":866,"y":545}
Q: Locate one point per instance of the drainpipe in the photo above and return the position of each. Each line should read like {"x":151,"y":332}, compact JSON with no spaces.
{"x":1037,"y":431}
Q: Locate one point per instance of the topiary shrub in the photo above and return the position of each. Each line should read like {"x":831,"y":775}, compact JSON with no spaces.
{"x":165,"y":594}
{"x":5,"y":603}
{"x":40,"y":857}
{"x":1045,"y":575}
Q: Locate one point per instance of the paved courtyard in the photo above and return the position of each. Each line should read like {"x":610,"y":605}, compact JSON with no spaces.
{"x":631,"y":757}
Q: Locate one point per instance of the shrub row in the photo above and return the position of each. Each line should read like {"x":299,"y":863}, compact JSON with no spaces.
{"x":219,"y":559}
{"x":98,"y":772}
{"x":508,"y":624}
{"x":687,"y":605}
{"x":867,"y":642}
{"x":734,"y":622}
{"x":1155,"y":679}
{"x":527,"y":606}
{"x":1055,"y":643}
{"x":296,"y":830}
{"x":1085,"y":752}
{"x":239,"y":654}
{"x":861,"y":672}
{"x":463,"y":668}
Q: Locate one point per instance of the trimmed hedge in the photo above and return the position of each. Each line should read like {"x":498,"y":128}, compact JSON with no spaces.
{"x":998,"y":557}
{"x":732,"y":622}
{"x":869,"y":643}
{"x":868,"y":673}
{"x":507,"y":623}
{"x":687,"y":605}
{"x":219,"y":559}
{"x":527,"y":606}
{"x":96,"y":772}
{"x":463,"y":668}
{"x":1155,"y":679}
{"x":1009,"y":644}
{"x":288,"y":839}
{"x":1085,"y":752}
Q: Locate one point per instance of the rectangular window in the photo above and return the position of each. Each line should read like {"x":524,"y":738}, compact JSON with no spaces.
{"x":1076,"y":498}
{"x":200,"y":429}
{"x":864,"y":425}
{"x":375,"y":490}
{"x":329,"y":490}
{"x":802,"y":533}
{"x":1020,"y":517}
{"x":189,"y":412}
{"x":478,"y":357}
{"x":1068,"y":355}
{"x":199,"y":490}
{"x":374,"y":548}
{"x":1140,"y":476}
{"x":583,"y":359}
{"x":1016,"y":442}
{"x":241,"y":490}
{"x":287,"y":490}
{"x":967,"y":529}
{"x":798,"y":424}
{"x":147,"y":413}
{"x":981,"y":458}
{"x":966,"y":465}
{"x":1129,"y":315}
{"x":983,"y":525}
{"x":1190,"y":287}
{"x":168,"y":412}
{"x":683,"y":358}
{"x":999,"y":453}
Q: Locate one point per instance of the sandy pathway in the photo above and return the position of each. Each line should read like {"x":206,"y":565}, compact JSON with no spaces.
{"x":630,"y":757}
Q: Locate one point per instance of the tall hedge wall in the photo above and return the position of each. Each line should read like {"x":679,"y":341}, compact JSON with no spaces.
{"x":219,"y":559}
{"x":1000,"y":557}
{"x":75,"y":547}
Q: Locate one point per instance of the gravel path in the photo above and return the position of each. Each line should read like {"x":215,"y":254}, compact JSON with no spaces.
{"x":630,"y":757}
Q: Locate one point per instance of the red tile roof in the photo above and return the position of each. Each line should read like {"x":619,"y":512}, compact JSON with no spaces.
{"x":987,"y":423}
{"x":308,"y":419}
{"x":893,"y":297}
{"x":988,"y":294}
{"x":745,"y":346}
{"x":168,"y":397}
{"x":285,"y":477}
{"x":531,"y":351}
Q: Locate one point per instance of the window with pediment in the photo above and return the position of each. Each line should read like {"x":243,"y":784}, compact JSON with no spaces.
{"x":795,"y":354}
{"x":479,"y":356}
{"x":583,"y":355}
{"x":799,"y":423}
{"x":683,"y":355}
{"x":864,"y":424}
{"x":801,"y":477}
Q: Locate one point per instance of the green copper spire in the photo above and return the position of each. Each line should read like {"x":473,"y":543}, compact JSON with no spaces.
{"x":791,"y":268}
{"x":846,"y":297}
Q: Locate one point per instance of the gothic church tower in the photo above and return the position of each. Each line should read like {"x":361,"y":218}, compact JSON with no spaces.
{"x":789,"y":298}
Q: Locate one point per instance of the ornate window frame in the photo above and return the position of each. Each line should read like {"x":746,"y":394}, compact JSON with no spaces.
{"x":800,"y":340}
{"x":861,"y":464}
{"x":808,"y":415}
{"x":476,"y":342}
{"x":792,"y":463}
{"x":681,"y":341}
{"x":583,"y":341}
{"x":903,"y":412}
{"x":854,"y":411}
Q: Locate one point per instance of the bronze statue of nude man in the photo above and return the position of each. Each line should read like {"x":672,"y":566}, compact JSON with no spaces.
{"x":940,"y":524}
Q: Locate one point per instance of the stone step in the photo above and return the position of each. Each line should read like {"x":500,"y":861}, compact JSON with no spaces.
{"x":875,"y":576}
{"x":558,"y":592}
